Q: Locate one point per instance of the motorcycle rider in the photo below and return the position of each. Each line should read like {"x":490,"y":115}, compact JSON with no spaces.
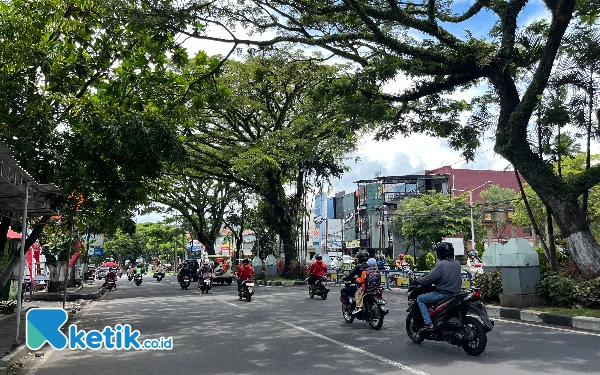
{"x":185,"y":271}
{"x":130,"y":271}
{"x":316,"y":270}
{"x":160,"y":270}
{"x":400,"y":262}
{"x":205,"y":270}
{"x":363,"y":257}
{"x":360,"y":293}
{"x":446,"y":277}
{"x":381,"y":263}
{"x":110,"y":275}
{"x":244,"y":272}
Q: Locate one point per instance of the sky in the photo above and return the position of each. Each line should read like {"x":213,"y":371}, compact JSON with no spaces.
{"x":416,"y":153}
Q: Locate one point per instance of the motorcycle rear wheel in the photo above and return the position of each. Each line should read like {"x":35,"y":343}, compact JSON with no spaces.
{"x":311,"y":292}
{"x":347,"y":314}
{"x":476,"y":346}
{"x":248,"y":298}
{"x":375,"y":317}
{"x":412,"y":329}
{"x":324,"y":295}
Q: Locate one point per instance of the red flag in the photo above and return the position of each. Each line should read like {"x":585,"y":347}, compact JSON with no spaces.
{"x":30,"y":266}
{"x":73,"y":259}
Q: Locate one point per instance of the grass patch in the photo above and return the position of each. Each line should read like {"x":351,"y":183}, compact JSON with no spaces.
{"x":594,"y":313}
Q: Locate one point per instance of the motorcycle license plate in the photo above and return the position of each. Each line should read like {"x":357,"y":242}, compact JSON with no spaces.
{"x":250,"y":284}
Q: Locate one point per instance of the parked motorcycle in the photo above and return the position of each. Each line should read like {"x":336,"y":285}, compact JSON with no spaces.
{"x":205,"y":284}
{"x":319,"y":289}
{"x":185,"y":282}
{"x":450,"y":319}
{"x":374,"y":307}
{"x":137,"y":279}
{"x":247,"y":290}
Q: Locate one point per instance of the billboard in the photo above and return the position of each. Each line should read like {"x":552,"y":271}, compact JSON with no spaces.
{"x":334,"y":234}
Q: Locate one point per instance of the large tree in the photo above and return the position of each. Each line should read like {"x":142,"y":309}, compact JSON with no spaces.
{"x":272,"y":121}
{"x":389,"y":39}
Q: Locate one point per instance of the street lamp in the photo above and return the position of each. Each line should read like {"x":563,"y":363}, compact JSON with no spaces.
{"x":471,"y":205}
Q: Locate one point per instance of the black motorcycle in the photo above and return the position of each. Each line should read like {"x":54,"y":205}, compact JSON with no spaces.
{"x":205,"y":284}
{"x":374,"y":307}
{"x":185,"y":282}
{"x":111,"y":284}
{"x":137,"y":279}
{"x":319,"y":289}
{"x":247,"y":290}
{"x":450,"y":319}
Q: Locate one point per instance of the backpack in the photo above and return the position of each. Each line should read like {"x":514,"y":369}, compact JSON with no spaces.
{"x":373,"y":278}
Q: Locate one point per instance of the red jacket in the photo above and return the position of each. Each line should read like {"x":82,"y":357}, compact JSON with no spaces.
{"x":318,"y":268}
{"x":245,"y":272}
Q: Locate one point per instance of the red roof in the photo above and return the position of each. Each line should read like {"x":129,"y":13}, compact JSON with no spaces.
{"x":247,"y":232}
{"x":13,"y":235}
{"x":467,"y":179}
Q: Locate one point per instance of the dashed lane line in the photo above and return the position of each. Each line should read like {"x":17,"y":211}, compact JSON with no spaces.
{"x":357,"y":350}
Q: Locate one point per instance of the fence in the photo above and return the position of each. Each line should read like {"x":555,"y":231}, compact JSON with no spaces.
{"x":397,"y":278}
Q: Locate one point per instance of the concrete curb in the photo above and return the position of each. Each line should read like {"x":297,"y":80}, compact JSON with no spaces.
{"x":580,"y":322}
{"x":74,"y":296}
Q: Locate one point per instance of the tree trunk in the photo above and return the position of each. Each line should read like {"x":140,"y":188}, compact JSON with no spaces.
{"x":15,"y":258}
{"x":4,"y":226}
{"x":551,"y":240}
{"x":534,"y":226}
{"x":585,"y":197}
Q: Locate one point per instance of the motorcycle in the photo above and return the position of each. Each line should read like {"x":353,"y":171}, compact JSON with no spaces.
{"x":247,"y":290}
{"x":159,"y":277}
{"x":130,"y":276}
{"x":110,"y":284}
{"x":374,"y":307}
{"x":450,"y":319}
{"x":319,"y":289}
{"x":137,"y":280}
{"x":185,"y":282}
{"x":205,"y":284}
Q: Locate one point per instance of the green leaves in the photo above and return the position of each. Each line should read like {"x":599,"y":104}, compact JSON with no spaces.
{"x":431,"y":217}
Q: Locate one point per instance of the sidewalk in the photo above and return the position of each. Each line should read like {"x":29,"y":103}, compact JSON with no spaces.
{"x":581,"y":322}
{"x":8,"y":323}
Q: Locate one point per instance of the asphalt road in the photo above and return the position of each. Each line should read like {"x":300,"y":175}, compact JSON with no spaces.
{"x":282,"y":331}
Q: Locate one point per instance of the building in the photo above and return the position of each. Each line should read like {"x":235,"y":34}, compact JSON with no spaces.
{"x":366,"y":212}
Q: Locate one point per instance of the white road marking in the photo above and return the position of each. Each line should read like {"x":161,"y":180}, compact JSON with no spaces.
{"x":548,"y":327}
{"x":357,"y":350}
{"x":229,"y":303}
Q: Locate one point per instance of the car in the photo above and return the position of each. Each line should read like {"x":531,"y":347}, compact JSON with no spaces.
{"x":347,"y":259}
{"x":101,"y":272}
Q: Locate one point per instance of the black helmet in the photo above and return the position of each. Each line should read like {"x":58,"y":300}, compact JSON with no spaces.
{"x":245,"y":261}
{"x":363,"y":256}
{"x":318,"y":257}
{"x":444,"y":250}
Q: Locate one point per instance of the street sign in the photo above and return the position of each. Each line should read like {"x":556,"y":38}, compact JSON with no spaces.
{"x":316,"y":237}
{"x":98,"y":251}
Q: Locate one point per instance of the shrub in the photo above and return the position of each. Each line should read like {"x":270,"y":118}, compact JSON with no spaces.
{"x":587,"y":293}
{"x":430,"y":261}
{"x":410,"y":260}
{"x":422,"y":262}
{"x":296,"y":270}
{"x":490,"y":284}
{"x":280,"y":267}
{"x":561,"y":291}
{"x":557,"y":291}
